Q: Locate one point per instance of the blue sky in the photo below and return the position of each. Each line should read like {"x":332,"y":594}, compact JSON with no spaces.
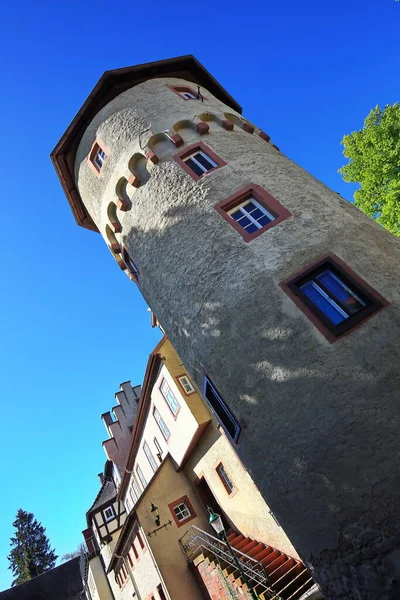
{"x":72,"y":325}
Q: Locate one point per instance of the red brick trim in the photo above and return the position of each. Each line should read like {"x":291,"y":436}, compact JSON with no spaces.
{"x":171,"y":506}
{"x":123,"y":204}
{"x":264,"y":198}
{"x":134,"y":180}
{"x":122,"y":265}
{"x":276,"y":147}
{"x":177,"y":140}
{"x":97,"y":144}
{"x":191,"y":150}
{"x":226,"y":124}
{"x":264,"y":136}
{"x":181,"y":385}
{"x":247,"y":127}
{"x":116,"y":247}
{"x":202,"y":128}
{"x":381,"y":302}
{"x":152,"y":157}
{"x":117,"y":227}
{"x":227,"y":490}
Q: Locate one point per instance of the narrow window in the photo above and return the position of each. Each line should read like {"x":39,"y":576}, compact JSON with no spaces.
{"x":135,"y":552}
{"x":134,"y":489}
{"x":333,"y":296}
{"x":161,"y":592}
{"x":130,"y":559}
{"x":220,"y":409}
{"x":150,"y":456}
{"x":139,"y":537}
{"x":159,"y":449}
{"x":141,"y":476}
{"x":161,"y":423}
{"x":198,"y":160}
{"x":186,"y":384}
{"x":131,"y":266}
{"x":251,"y":211}
{"x":226,"y":480}
{"x":108,"y":514}
{"x":169,"y":397}
{"x":98,"y":155}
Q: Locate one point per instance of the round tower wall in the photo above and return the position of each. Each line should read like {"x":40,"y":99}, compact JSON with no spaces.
{"x":319,"y":420}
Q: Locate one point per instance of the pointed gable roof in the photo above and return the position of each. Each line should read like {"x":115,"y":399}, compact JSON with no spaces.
{"x":107,"y":493}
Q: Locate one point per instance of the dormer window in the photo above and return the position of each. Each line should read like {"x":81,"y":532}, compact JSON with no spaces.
{"x":109,"y":514}
{"x":98,"y":155}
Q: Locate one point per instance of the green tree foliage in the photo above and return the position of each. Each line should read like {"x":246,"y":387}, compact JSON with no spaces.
{"x":374,"y":163}
{"x":31,"y":554}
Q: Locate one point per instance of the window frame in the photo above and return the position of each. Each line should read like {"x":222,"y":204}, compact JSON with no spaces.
{"x":149,"y":456}
{"x":225,"y":408}
{"x":357,"y":285}
{"x":164,"y":395}
{"x":217,"y":467}
{"x":182,"y":156}
{"x":184,"y":89}
{"x":158,"y":448}
{"x":107,"y":520}
{"x":185,"y":376}
{"x":262,"y":197}
{"x":94,"y":150}
{"x":141,"y":476}
{"x":182,"y":500}
{"x":155,"y":409}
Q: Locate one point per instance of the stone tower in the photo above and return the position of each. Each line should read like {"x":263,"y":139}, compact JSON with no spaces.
{"x":281,"y":298}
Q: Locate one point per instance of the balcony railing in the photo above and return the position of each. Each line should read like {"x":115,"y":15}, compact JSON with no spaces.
{"x":196,"y":541}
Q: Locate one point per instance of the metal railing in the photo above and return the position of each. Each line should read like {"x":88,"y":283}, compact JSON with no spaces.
{"x":196,"y":541}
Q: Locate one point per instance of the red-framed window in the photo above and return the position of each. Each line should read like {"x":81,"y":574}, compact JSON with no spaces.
{"x":252,"y":211}
{"x":198,"y":160}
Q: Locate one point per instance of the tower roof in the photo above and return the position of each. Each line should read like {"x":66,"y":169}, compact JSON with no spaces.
{"x":110,"y":85}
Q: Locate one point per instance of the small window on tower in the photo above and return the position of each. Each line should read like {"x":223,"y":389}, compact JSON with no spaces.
{"x":251,"y":211}
{"x":97,"y":157}
{"x":198,"y":160}
{"x":184,"y":92}
{"x":333,"y":296}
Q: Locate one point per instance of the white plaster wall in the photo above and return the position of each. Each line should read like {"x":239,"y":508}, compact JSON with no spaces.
{"x":182,"y":429}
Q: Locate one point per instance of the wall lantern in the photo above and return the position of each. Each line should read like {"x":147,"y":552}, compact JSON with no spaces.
{"x":155,"y":513}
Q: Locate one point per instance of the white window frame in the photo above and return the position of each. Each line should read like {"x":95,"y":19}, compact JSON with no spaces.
{"x":186,"y":384}
{"x":161,"y":423}
{"x":202,"y":167}
{"x":141,"y":477}
{"x":149,"y":456}
{"x":165,"y":390}
{"x":186,"y":508}
{"x":99,"y":158}
{"x":108,"y":519}
{"x":188,"y":95}
{"x":248,"y":215}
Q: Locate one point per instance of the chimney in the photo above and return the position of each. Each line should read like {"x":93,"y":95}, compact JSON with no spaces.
{"x":101,"y":477}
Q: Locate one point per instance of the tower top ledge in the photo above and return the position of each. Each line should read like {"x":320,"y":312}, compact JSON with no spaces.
{"x":111,"y":84}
